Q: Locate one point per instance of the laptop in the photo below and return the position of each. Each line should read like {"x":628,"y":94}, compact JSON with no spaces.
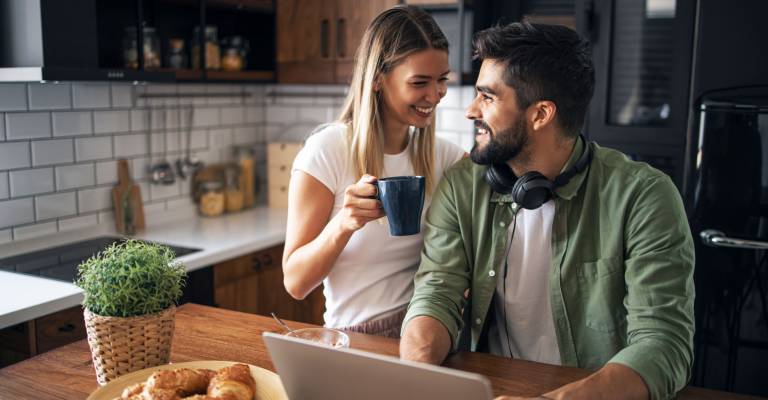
{"x":312,"y":371}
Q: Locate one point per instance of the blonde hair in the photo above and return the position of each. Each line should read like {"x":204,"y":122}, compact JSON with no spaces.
{"x":391,"y":37}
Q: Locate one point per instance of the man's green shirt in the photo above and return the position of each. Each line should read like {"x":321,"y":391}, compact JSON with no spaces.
{"x":621,"y":275}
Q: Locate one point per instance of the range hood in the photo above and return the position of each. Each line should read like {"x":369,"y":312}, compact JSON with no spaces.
{"x":54,"y":40}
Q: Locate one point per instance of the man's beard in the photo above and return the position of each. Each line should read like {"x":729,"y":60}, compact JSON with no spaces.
{"x":502,"y":146}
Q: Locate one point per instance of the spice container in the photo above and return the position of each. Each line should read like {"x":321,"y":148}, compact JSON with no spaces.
{"x":212,"y":50}
{"x":234,"y":53}
{"x":151,"y":48}
{"x":212,"y":199}
{"x":176,"y":58}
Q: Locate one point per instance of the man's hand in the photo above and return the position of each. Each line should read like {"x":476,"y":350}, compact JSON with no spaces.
{"x":425,"y":340}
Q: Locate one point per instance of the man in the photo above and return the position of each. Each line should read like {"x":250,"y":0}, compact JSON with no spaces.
{"x":599,"y":276}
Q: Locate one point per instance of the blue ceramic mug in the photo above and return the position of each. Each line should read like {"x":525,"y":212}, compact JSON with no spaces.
{"x":402,"y":198}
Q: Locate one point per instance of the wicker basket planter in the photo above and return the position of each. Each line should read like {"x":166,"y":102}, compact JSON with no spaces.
{"x":120,"y":345}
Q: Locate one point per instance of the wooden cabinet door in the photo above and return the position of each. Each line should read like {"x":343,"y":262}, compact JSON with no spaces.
{"x":254,"y":283}
{"x":305,"y":51}
{"x":60,"y":328}
{"x":352,"y":19}
{"x":235,"y":285}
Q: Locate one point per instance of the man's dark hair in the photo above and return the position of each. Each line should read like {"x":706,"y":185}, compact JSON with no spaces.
{"x":543,"y":62}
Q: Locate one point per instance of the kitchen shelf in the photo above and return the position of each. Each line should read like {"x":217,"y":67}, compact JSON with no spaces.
{"x":240,"y":75}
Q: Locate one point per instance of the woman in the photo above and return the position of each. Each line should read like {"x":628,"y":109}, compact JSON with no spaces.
{"x":386,"y":128}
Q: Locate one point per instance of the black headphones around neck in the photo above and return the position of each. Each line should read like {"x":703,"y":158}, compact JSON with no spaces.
{"x":533,"y":189}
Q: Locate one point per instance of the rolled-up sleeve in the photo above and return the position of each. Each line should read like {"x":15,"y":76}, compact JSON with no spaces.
{"x":444,"y":273}
{"x":659,"y":264}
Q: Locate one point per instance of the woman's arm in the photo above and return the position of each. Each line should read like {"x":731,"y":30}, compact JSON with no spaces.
{"x":312,"y":242}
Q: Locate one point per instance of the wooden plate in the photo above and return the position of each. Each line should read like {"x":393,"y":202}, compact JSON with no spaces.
{"x":268,"y":385}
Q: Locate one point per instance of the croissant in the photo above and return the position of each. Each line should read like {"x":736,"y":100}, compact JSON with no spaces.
{"x":234,"y":382}
{"x":231,"y":383}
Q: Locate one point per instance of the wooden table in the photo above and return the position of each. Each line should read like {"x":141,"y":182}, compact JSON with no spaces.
{"x":206,"y":333}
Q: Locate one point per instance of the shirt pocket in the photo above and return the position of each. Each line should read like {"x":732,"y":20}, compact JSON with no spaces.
{"x":602,"y":292}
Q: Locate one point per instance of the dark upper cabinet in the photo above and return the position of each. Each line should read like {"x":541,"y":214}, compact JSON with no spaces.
{"x":642,"y":53}
{"x":100,"y":40}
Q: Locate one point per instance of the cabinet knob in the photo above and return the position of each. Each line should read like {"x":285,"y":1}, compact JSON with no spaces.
{"x":267,"y":260}
{"x":256,"y":264}
{"x":67,"y":328}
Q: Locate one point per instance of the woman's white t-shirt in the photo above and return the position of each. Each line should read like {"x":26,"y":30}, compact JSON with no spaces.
{"x":373,"y":275}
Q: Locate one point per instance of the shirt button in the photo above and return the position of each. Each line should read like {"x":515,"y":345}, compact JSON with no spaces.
{"x":478,"y":321}
{"x":492,"y":273}
{"x":501,"y":224}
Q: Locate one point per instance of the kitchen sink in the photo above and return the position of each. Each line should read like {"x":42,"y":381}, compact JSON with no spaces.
{"x":61,"y":262}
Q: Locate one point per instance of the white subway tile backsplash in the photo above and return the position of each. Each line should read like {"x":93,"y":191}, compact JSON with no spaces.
{"x":130,"y":145}
{"x":13,"y":96}
{"x":2,"y":126}
{"x":220,"y":137}
{"x":96,"y":199}
{"x":158,"y":192}
{"x":14,"y":155}
{"x":232,"y":115}
{"x":49,"y":152}
{"x":122,"y":95}
{"x":16,"y":212}
{"x":111,"y":121}
{"x":254,"y":114}
{"x":68,"y":224}
{"x":205,"y":117}
{"x":27,"y":125}
{"x":452,"y":98}
{"x":87,"y":149}
{"x":72,"y":123}
{"x":6,"y":235}
{"x":172,"y":141}
{"x":139,"y":120}
{"x":106,"y":172}
{"x":247,"y":134}
{"x":317,"y":115}
{"x":90,"y":95}
{"x":33,"y":231}
{"x":140,"y":167}
{"x":106,"y":217}
{"x":50,"y":96}
{"x":4,"y":191}
{"x":31,"y":181}
{"x":281,"y":114}
{"x":74,"y":176}
{"x":55,"y":205}
{"x":199,"y":139}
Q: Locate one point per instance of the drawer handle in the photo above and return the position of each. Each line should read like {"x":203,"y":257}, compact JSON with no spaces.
{"x":256,"y":263}
{"x":67,"y":328}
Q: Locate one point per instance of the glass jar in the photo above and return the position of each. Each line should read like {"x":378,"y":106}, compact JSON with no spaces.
{"x":234,"y":53}
{"x":177,"y":57}
{"x":212,"y":199}
{"x":151,"y":48}
{"x":212,"y":50}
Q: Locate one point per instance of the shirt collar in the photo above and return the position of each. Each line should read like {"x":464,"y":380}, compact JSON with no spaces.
{"x":566,"y":191}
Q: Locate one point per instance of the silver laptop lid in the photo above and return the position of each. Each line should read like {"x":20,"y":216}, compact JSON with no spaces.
{"x":310,"y":371}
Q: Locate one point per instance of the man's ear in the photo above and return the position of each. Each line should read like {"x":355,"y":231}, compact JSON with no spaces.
{"x":541,"y":114}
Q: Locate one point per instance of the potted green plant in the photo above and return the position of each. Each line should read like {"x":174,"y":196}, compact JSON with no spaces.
{"x":131,"y":290}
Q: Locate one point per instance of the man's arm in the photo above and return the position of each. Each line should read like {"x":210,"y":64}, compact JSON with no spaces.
{"x":425,"y":339}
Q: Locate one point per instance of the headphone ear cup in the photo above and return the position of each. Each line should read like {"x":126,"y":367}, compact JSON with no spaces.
{"x":532,"y":190}
{"x":500,"y":178}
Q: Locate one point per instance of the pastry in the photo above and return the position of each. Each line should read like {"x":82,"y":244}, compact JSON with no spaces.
{"x":230,"y":383}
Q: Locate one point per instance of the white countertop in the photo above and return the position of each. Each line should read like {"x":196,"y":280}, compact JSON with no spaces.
{"x":24,"y":297}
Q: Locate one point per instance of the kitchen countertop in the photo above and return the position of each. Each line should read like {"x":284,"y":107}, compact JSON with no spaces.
{"x":25,"y":297}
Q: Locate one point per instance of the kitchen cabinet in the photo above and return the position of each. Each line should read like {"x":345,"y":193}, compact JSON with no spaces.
{"x":41,"y":42}
{"x":254,"y":283}
{"x":37,"y":336}
{"x":317,"y":39}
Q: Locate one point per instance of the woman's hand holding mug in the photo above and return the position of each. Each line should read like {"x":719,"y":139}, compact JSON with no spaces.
{"x":360,"y":204}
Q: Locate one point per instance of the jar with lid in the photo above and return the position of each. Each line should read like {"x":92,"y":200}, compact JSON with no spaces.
{"x":212,"y":199}
{"x":151,"y":48}
{"x":177,"y":57}
{"x":234,"y":53}
{"x":212,"y":50}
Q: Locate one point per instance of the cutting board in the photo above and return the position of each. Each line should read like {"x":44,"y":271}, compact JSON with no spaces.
{"x":126,"y":197}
